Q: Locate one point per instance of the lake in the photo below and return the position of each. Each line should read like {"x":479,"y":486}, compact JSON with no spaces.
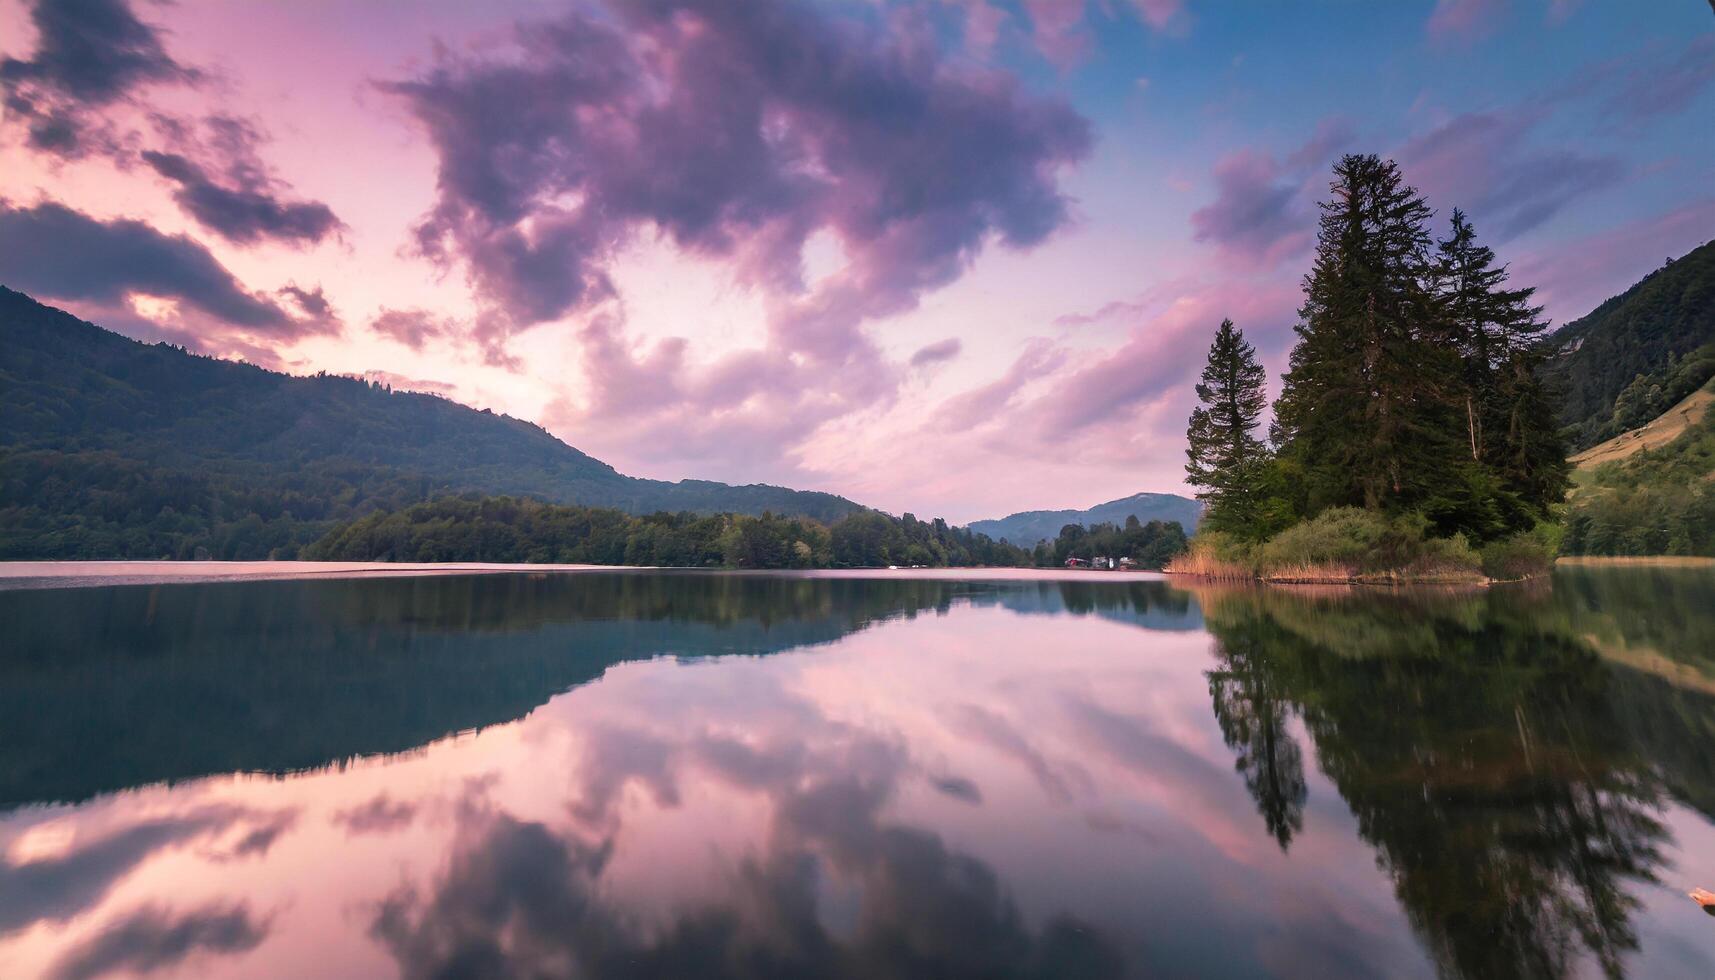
{"x":648,"y":774}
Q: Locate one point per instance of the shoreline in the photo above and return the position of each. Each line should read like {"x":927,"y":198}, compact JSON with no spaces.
{"x":61,"y":574}
{"x":1390,"y":580}
{"x":1380,"y":581}
{"x":1645,"y":561}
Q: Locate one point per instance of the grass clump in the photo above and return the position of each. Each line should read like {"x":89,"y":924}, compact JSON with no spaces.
{"x":1215,"y":555}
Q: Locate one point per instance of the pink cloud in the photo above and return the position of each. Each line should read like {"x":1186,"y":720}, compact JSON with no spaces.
{"x":1464,"y":20}
{"x":1573,"y":277}
{"x":1057,"y":27}
{"x":651,"y":407}
{"x":1067,"y":427}
{"x":1100,"y":401}
{"x":1159,"y":14}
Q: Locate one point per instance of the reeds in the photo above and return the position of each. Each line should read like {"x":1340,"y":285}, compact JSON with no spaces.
{"x":1212,"y":555}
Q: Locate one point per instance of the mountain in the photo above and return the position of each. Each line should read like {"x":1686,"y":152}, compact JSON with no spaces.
{"x":1620,"y":366}
{"x":111,"y":448}
{"x":1028,"y":527}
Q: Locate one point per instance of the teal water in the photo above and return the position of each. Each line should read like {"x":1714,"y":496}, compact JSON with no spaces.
{"x":654,"y":774}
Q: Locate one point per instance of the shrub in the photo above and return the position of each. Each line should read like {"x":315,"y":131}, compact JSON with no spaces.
{"x":1443,"y":560}
{"x":1344,"y":538}
{"x":1348,"y":543}
{"x":1521,"y":556}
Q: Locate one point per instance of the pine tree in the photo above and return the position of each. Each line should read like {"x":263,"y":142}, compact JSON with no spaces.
{"x":1225,"y":458}
{"x":1529,"y":454}
{"x":1366,"y":408}
{"x":1510,"y":425}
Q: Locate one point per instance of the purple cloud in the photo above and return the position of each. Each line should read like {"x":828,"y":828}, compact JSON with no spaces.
{"x":413,"y":327}
{"x":736,"y":131}
{"x":1256,"y":215}
{"x":244,"y":215}
{"x":220,"y":180}
{"x":1484,"y":163}
{"x":1263,"y":211}
{"x":937,"y":353}
{"x":54,"y":252}
{"x":1657,"y":86}
{"x":94,"y":55}
{"x":89,"y":54}
{"x":313,"y":302}
{"x":151,"y":939}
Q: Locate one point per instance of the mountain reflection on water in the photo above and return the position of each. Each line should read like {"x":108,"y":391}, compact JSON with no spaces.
{"x":656,"y":774}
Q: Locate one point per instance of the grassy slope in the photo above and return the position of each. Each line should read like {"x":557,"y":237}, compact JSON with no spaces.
{"x":1664,"y":429}
{"x":1650,"y":491}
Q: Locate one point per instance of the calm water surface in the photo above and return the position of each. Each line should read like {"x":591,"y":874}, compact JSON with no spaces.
{"x":654,"y":774}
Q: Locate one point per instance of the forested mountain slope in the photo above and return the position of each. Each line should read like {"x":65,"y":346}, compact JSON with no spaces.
{"x":1637,"y":354}
{"x":114,"y":448}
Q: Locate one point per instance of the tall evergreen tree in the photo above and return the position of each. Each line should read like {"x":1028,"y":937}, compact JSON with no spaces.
{"x":1225,"y":458}
{"x":1366,"y":408}
{"x":1509,"y":418}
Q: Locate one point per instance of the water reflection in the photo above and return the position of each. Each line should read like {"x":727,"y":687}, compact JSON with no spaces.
{"x":1478,"y":744}
{"x":101,"y":689}
{"x":656,"y":775}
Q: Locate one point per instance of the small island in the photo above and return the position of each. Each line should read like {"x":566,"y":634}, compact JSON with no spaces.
{"x":1413,"y":439}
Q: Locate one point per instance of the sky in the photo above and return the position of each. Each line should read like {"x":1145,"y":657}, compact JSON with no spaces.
{"x":954,"y":257}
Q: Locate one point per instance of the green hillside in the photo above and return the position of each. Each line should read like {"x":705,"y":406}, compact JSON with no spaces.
{"x":110,"y":448}
{"x":1633,"y":357}
{"x":1649,"y":501}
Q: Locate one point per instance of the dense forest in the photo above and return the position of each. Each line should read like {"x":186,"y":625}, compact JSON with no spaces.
{"x":110,"y":448}
{"x":1411,"y":409}
{"x":1615,"y":368}
{"x":508,"y":529}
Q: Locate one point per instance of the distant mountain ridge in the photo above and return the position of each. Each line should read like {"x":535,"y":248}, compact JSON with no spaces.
{"x":114,"y":448}
{"x":1028,"y":527}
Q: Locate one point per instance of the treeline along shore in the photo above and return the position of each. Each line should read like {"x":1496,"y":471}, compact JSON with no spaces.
{"x":511,"y":529}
